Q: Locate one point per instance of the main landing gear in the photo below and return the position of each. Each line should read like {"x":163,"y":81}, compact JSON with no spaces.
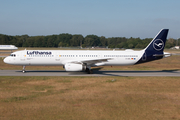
{"x":24,"y":69}
{"x":89,"y":71}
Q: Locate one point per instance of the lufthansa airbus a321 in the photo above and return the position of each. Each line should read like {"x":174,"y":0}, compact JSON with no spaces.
{"x":83,"y":60}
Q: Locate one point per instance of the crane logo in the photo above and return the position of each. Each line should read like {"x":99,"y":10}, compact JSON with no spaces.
{"x":158,"y":44}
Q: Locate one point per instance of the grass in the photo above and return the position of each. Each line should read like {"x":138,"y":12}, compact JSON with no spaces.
{"x":92,"y":98}
{"x":96,"y":98}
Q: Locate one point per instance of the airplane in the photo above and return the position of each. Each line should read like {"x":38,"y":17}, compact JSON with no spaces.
{"x":83,"y":60}
{"x":8,"y":47}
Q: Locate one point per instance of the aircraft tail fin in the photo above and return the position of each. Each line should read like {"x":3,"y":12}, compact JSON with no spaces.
{"x":154,"y":50}
{"x":158,"y":43}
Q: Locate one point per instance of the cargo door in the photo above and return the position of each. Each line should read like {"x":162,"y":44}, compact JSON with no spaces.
{"x":57,"y":57}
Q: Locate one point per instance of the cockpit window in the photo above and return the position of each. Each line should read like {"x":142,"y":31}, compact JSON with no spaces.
{"x":13,"y":55}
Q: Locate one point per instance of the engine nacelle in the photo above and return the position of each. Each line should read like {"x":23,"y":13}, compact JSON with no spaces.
{"x":74,"y":67}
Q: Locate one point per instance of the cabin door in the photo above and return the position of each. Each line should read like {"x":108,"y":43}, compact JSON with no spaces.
{"x":23,"y":56}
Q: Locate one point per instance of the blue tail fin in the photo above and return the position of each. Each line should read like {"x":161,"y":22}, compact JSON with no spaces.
{"x":154,"y":50}
{"x":158,"y":43}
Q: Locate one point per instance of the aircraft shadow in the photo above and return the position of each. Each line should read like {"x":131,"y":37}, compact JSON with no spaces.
{"x":116,"y":73}
{"x":97,"y":72}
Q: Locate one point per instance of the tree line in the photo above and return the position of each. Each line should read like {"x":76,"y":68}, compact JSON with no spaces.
{"x":69,"y":40}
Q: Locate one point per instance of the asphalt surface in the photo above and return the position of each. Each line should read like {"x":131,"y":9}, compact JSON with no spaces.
{"x":95,"y":73}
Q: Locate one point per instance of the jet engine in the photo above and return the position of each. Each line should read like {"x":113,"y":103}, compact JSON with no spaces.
{"x":74,"y":67}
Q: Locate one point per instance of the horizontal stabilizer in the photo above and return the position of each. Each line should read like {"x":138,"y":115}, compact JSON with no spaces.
{"x":162,"y":55}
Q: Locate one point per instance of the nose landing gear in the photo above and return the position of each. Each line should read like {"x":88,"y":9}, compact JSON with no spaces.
{"x":24,"y":69}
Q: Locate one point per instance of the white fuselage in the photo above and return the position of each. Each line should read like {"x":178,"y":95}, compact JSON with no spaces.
{"x":61,"y":57}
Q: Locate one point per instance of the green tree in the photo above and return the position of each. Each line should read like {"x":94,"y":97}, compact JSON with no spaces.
{"x":49,"y":42}
{"x":30,"y":42}
{"x":65,"y":39}
{"x":92,"y":40}
{"x":103,"y":41}
{"x":76,"y":40}
{"x":38,"y":41}
{"x":4,"y":40}
{"x":170,"y":43}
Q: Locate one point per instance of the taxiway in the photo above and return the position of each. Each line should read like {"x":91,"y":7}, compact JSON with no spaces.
{"x":96,"y":73}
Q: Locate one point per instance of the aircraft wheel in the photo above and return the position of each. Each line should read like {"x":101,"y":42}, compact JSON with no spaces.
{"x":90,"y":72}
{"x":87,"y":70}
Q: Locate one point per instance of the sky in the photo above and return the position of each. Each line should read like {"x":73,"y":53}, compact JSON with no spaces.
{"x":109,"y":18}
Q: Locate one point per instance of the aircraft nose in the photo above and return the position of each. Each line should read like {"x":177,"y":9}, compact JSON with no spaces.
{"x":6,"y":60}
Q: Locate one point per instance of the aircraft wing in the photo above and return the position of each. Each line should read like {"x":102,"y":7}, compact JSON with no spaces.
{"x":88,"y":62}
